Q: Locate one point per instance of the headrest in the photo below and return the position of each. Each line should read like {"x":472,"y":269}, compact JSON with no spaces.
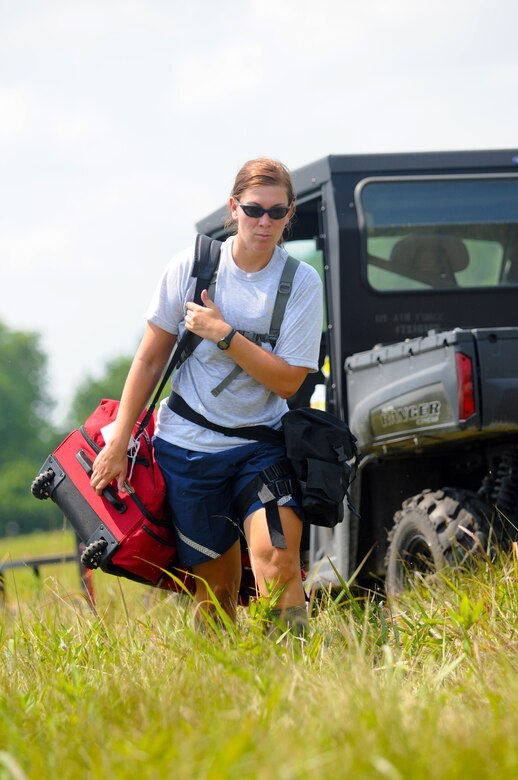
{"x":430,"y":253}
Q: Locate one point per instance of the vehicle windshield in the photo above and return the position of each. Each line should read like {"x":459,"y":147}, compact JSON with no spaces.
{"x":433,"y":233}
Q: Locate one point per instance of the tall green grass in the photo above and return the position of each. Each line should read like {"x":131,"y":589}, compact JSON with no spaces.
{"x":422,"y":687}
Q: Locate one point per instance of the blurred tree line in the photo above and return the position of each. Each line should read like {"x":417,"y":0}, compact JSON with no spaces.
{"x":27,"y":435}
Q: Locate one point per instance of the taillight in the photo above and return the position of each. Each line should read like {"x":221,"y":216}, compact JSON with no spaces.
{"x":465,"y":381}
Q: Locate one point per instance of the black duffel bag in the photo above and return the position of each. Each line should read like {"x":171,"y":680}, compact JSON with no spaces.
{"x":324,"y":457}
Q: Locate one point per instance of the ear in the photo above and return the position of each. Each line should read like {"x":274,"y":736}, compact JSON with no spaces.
{"x":233,"y":208}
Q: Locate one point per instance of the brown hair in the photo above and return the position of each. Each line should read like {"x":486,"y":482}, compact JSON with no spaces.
{"x":261,"y":172}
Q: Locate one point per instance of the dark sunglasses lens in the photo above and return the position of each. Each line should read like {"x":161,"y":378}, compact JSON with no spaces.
{"x":253,"y":211}
{"x":256,"y":212}
{"x":278,"y":212}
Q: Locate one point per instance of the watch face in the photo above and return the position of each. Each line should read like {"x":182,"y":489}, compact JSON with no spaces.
{"x":223,"y":344}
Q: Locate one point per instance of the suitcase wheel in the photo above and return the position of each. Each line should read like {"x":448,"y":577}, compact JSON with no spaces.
{"x":40,"y":485}
{"x":91,"y":555}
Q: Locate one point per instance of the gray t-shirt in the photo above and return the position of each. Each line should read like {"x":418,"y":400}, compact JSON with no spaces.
{"x":246,"y":302}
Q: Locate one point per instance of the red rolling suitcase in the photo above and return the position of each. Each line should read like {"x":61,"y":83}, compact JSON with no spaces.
{"x":126,"y":534}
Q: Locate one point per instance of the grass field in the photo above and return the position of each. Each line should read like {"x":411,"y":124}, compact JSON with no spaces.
{"x":425,"y":687}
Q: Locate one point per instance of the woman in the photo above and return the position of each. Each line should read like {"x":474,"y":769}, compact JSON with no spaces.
{"x":206,"y":471}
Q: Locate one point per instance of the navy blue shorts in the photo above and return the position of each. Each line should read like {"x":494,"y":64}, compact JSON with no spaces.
{"x":202,"y":488}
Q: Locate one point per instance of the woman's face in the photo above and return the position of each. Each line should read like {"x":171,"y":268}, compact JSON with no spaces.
{"x":260,"y":234}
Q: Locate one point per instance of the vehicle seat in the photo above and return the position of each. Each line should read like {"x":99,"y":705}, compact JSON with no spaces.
{"x":431,"y":259}
{"x":510,"y":274}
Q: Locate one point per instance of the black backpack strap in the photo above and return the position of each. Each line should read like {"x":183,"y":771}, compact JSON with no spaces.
{"x":254,"y":432}
{"x":207,"y":252}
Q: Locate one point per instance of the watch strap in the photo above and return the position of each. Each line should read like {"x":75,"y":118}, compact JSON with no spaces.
{"x":224,"y":343}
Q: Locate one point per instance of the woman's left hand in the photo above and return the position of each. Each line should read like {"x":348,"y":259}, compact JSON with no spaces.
{"x":206,"y":321}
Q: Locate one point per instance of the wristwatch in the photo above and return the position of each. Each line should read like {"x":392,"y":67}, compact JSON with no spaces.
{"x":225,"y":342}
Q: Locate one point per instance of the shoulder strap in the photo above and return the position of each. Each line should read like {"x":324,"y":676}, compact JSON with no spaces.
{"x":207,"y":253}
{"x":254,"y":432}
{"x":281,"y":301}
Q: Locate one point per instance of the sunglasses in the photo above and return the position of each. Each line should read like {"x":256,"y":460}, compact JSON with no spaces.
{"x":256,"y":212}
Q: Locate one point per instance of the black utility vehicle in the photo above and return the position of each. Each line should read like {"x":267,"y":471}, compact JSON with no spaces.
{"x":419,"y":257}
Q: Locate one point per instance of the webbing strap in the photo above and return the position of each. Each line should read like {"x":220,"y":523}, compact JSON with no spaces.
{"x":275,"y":483}
{"x":283,"y":293}
{"x":254,"y":432}
{"x":227,"y":380}
{"x":273,"y":518}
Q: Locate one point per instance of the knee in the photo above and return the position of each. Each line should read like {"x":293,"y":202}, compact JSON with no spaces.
{"x":276,"y":565}
{"x":223,"y":589}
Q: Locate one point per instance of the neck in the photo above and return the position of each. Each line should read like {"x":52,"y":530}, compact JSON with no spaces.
{"x":248,"y":260}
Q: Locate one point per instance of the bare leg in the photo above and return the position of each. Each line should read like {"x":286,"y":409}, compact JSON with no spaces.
{"x":278,"y":568}
{"x":222,"y":575}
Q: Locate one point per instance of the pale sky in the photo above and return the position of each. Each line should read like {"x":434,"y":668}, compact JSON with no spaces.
{"x":123,"y":122}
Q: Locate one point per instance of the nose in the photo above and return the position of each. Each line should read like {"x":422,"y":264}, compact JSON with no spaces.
{"x":265,"y":219}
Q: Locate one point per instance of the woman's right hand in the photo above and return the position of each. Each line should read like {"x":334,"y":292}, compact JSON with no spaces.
{"x":111,"y":463}
{"x":146,"y":369}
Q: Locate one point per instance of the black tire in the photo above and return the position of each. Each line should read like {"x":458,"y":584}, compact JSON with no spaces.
{"x":433,"y":530}
{"x":40,"y":485}
{"x":91,"y":555}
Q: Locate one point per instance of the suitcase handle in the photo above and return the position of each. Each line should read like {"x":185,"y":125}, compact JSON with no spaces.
{"x":108,"y":492}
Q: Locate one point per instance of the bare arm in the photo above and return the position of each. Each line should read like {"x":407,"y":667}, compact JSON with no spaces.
{"x":146,"y":369}
{"x":268,"y":369}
